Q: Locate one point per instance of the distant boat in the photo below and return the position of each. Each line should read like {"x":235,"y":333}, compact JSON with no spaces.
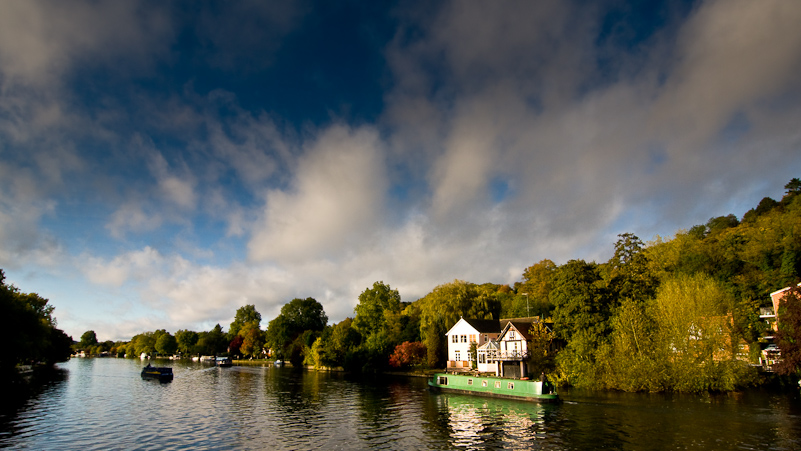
{"x":278,"y":363}
{"x":497,"y":387}
{"x":162,"y":373}
{"x":223,"y":361}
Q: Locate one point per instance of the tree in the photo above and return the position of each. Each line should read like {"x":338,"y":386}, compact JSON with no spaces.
{"x":628,"y":270}
{"x":373,"y":302}
{"x":252,"y":340}
{"x":408,"y":354}
{"x":166,"y":344}
{"x":536,"y":288}
{"x":187,"y":340}
{"x":580,"y":302}
{"x":788,"y":337}
{"x":244,"y":315}
{"x":88,"y":339}
{"x":296,"y":317}
{"x":793,"y":186}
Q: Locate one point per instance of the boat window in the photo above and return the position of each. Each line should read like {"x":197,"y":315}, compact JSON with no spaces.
{"x":483,"y":383}
{"x":511,"y":386}
{"x":497,"y":384}
{"x":442,"y":380}
{"x":470,"y":382}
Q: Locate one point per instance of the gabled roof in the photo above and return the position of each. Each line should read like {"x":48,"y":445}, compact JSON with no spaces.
{"x":522,"y":327}
{"x":490,"y":344}
{"x":483,"y":326}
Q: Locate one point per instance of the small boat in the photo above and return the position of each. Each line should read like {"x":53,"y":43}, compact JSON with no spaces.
{"x":278,"y":363}
{"x":162,"y":373}
{"x":498,"y":387}
{"x":223,"y":361}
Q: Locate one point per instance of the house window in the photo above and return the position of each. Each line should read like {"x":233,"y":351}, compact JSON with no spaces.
{"x":511,"y":386}
{"x":497,"y":384}
{"x":511,"y":335}
{"x":472,"y":338}
{"x":464,"y":338}
{"x":482,"y":358}
{"x":486,"y":338}
{"x":458,"y":356}
{"x":454,"y":339}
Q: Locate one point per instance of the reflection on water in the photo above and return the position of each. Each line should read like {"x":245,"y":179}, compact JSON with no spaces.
{"x":475,"y":422}
{"x":104,"y":404}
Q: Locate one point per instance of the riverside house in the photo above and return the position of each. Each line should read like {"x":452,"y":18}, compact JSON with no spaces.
{"x":502,"y":347}
{"x":464,"y":333}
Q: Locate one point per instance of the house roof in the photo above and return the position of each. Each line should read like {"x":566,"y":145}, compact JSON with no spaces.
{"x":485,"y":326}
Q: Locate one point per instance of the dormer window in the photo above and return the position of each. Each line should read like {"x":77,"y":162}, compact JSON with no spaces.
{"x":511,"y":335}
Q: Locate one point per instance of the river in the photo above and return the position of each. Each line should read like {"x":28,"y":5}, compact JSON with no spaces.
{"x":101,"y":404}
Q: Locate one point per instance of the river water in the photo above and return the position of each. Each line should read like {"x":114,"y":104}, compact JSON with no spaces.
{"x":103,"y":404}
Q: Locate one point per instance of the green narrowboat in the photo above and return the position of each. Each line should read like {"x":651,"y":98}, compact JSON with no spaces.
{"x":498,"y":387}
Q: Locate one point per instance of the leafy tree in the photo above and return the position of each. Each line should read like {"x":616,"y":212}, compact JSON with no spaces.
{"x":373,"y":303}
{"x":88,"y":340}
{"x":30,"y":333}
{"x":337,"y":341}
{"x":166,"y":344}
{"x":408,"y":354}
{"x":244,"y":315}
{"x":793,"y":186}
{"x":296,"y":317}
{"x":788,"y":337}
{"x":580,"y":302}
{"x":535,"y":290}
{"x":252,"y":340}
{"x":187,"y":340}
{"x":541,"y":351}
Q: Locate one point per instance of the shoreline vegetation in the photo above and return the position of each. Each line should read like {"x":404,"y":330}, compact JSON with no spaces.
{"x":678,"y":314}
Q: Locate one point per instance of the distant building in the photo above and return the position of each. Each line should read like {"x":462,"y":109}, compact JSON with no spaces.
{"x":771,"y":354}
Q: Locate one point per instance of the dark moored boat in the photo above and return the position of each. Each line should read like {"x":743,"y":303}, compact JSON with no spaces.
{"x":162,"y":373}
{"x":223,"y":361}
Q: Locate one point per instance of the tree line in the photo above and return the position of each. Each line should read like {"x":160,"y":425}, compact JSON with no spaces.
{"x":678,"y":313}
{"x":30,"y":334}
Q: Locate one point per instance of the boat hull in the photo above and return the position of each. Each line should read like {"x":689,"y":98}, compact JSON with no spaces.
{"x":162,"y":374}
{"x":494,"y":387}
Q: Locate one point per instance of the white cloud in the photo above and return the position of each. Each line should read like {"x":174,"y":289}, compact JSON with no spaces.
{"x":334,"y":199}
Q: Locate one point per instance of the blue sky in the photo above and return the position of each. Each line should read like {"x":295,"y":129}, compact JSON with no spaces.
{"x":162,"y":164}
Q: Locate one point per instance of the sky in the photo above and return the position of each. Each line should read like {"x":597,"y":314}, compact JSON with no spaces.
{"x":165,"y":163}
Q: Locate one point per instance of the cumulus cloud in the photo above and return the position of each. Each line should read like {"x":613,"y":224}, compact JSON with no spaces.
{"x":333,"y":200}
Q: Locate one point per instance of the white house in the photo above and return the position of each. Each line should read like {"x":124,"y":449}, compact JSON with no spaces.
{"x":513,"y":349}
{"x":463,"y":334}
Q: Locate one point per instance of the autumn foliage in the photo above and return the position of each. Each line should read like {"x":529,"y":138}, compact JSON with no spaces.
{"x":408,"y":354}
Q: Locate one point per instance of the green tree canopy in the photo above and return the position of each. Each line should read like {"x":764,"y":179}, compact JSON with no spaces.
{"x":245,"y":314}
{"x":88,"y":339}
{"x":166,"y":344}
{"x":373,"y":303}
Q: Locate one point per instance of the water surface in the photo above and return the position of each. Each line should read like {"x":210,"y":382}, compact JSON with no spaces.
{"x":104,"y":404}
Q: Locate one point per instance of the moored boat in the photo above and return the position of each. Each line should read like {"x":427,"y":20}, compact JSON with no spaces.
{"x":162,"y":373}
{"x":223,"y":361}
{"x":498,"y":387}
